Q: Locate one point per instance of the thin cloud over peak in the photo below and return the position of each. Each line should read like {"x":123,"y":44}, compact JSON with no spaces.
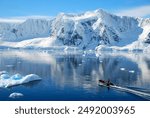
{"x":21,"y":19}
{"x":142,"y":11}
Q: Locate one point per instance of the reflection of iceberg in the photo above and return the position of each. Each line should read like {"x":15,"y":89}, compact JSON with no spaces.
{"x":7,"y":81}
{"x":15,"y":95}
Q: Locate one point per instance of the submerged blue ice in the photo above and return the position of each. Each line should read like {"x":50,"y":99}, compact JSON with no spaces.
{"x":16,"y":77}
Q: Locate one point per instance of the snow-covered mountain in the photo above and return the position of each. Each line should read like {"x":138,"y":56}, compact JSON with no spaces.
{"x":31,"y":28}
{"x":96,"y":29}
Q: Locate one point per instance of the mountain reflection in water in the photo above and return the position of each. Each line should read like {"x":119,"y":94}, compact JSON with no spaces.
{"x":74,"y":76}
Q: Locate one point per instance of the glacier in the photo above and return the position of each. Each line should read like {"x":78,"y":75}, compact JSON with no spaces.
{"x":92,"y":30}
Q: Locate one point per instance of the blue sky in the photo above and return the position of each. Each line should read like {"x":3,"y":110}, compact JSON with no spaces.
{"x":15,"y":8}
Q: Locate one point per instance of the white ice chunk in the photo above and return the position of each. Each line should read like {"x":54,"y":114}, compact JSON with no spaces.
{"x":131,"y":71}
{"x":15,"y":95}
{"x":122,"y":69}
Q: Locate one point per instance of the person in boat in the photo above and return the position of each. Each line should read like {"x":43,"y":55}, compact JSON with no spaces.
{"x":107,"y":83}
{"x":101,"y":81}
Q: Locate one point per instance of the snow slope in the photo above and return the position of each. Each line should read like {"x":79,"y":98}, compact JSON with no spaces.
{"x":96,"y":29}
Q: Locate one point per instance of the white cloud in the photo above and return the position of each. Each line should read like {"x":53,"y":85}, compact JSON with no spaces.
{"x":32,"y":17}
{"x":11,"y":20}
{"x":141,"y":11}
{"x":22,"y":19}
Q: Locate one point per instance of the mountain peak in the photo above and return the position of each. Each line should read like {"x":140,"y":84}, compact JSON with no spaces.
{"x":86,"y":30}
{"x":100,"y":11}
{"x":86,"y":15}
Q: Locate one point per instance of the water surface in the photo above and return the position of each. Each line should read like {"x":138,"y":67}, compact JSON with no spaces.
{"x":74,"y":76}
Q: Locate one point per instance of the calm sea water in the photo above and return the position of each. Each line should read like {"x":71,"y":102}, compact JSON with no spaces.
{"x":74,"y":76}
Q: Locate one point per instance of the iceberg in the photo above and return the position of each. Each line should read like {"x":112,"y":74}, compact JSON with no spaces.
{"x":7,"y":81}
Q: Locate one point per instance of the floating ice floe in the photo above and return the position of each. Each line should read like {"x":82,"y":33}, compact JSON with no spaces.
{"x":7,"y":81}
{"x":122,"y":69}
{"x":101,"y":61}
{"x":131,"y":71}
{"x":15,"y":95}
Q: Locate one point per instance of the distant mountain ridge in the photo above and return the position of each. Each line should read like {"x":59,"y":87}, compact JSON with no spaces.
{"x":31,"y":28}
{"x":86,"y":31}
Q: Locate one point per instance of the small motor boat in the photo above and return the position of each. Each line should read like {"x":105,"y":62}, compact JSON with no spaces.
{"x":105,"y":83}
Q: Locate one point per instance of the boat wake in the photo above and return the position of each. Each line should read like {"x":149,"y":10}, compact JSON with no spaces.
{"x":143,"y":94}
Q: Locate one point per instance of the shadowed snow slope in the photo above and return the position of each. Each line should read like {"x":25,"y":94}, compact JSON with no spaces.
{"x":85,"y":31}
